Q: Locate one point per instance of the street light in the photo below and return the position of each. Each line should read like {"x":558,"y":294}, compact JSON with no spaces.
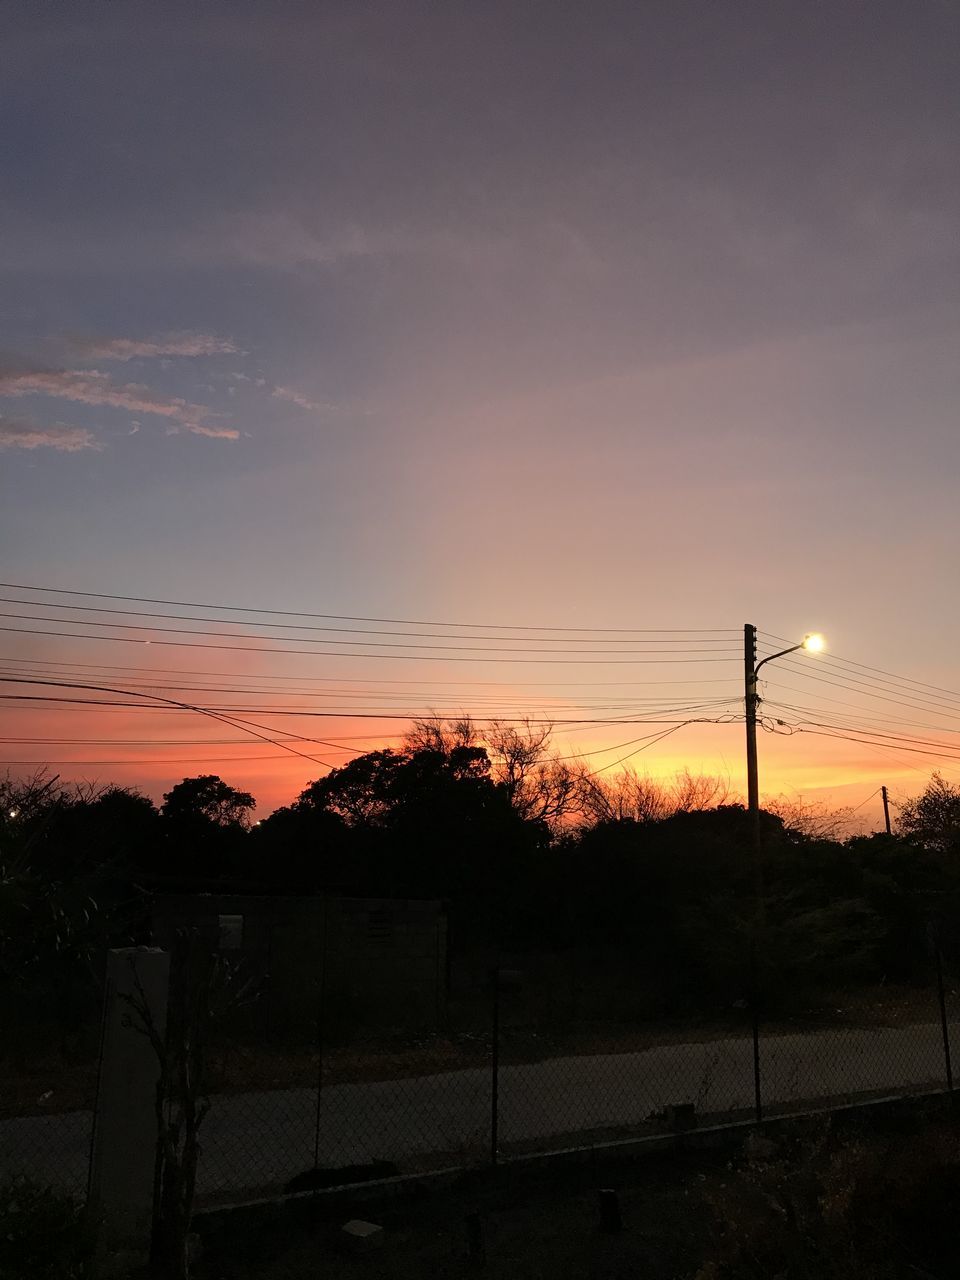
{"x":813,"y":642}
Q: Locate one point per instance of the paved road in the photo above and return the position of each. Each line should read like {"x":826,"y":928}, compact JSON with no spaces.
{"x":259,"y":1139}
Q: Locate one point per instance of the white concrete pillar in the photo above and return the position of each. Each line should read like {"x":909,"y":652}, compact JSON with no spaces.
{"x":123,"y":1160}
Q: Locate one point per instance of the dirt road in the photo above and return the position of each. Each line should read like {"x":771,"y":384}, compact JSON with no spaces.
{"x":260,"y":1139}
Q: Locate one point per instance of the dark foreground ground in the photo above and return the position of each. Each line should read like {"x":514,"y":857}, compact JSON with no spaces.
{"x":540,"y":1232}
{"x":860,"y":1198}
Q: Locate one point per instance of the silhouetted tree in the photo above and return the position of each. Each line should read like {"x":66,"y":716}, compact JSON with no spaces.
{"x":429,"y":821}
{"x":933,"y":818}
{"x":205,"y":823}
{"x":207,"y":799}
{"x":641,"y":798}
{"x":63,"y":900}
{"x":304,"y":847}
{"x":541,"y":787}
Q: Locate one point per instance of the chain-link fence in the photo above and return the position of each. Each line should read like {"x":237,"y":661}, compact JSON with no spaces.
{"x":49,"y":1059}
{"x":525,"y":1053}
{"x":540,"y":1052}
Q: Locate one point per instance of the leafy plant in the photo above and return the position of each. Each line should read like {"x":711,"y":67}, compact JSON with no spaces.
{"x":43,"y":1234}
{"x":838,"y":1206}
{"x":204,"y":987}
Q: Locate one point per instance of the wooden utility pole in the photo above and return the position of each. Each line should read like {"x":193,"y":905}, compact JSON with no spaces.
{"x":751,"y":702}
{"x":753,"y":781}
{"x":886,"y":810}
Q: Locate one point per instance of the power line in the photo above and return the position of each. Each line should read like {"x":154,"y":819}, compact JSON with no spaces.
{"x":890,"y":754}
{"x":105,"y":666}
{"x":341,"y":714}
{"x":334,"y":699}
{"x":204,"y":711}
{"x":312,"y":640}
{"x":347,"y":617}
{"x":859,"y":714}
{"x":404,"y":657}
{"x":357,"y":689}
{"x":832,"y":657}
{"x":228,"y":760}
{"x":867,"y":801}
{"x":221,"y":760}
{"x":141,"y":742}
{"x":903,"y":742}
{"x":889,"y":738}
{"x":348,"y":631}
{"x":866,"y":743}
{"x":657,"y":738}
{"x":866,"y":691}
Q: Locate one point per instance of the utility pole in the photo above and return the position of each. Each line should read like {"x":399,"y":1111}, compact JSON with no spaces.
{"x":753,"y":781}
{"x":751,"y":700}
{"x":751,"y":666}
{"x":886,"y":809}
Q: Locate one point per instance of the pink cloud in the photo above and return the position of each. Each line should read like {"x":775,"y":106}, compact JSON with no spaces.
{"x":216,"y":433}
{"x":170,"y":344}
{"x":90,"y":386}
{"x":30,"y":435}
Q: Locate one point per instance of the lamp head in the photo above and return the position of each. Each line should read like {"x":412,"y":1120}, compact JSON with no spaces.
{"x":814,"y":642}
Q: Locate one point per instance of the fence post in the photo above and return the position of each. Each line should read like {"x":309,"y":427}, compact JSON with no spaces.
{"x":321,"y":1011}
{"x":442,"y":971}
{"x":495,"y":1071}
{"x":123,"y":1157}
{"x":941,"y":996}
{"x":755,"y":1029}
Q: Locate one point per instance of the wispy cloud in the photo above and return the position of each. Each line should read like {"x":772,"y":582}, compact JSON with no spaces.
{"x":281,"y":241}
{"x":169,"y":344}
{"x":90,"y":386}
{"x":216,"y":433}
{"x":294,"y":397}
{"x":31,"y":435}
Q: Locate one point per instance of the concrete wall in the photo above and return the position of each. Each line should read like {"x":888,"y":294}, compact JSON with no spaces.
{"x":368,"y":962}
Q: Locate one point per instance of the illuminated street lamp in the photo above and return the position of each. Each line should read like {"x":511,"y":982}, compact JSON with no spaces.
{"x":813,"y":643}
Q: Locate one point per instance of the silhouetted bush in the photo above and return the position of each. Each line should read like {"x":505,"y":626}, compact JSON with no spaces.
{"x":43,"y":1235}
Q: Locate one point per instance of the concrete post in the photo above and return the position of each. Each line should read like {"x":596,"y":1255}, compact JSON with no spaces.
{"x":123,"y":1158}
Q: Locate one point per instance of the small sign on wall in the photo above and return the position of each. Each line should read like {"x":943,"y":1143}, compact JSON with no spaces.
{"x":231,"y":933}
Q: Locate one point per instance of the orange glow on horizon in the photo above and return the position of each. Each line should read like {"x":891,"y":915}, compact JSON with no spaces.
{"x":837,"y":773}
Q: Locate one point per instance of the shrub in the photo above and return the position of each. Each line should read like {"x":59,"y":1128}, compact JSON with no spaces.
{"x":838,"y":1205}
{"x":43,"y":1234}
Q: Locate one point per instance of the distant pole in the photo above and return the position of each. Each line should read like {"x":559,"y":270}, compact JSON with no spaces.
{"x":886,"y":809}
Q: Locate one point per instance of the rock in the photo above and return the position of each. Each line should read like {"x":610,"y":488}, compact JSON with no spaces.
{"x":610,"y":1219}
{"x":681,"y":1116}
{"x":360,"y":1236}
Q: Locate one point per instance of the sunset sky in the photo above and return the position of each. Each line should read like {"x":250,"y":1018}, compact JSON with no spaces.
{"x":635,"y":318}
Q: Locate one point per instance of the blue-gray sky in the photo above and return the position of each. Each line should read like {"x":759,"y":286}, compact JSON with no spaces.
{"x":583,"y":314}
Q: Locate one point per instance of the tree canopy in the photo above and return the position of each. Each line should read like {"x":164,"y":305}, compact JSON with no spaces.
{"x":524,"y":854}
{"x":207,"y":799}
{"x":932,"y":819}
